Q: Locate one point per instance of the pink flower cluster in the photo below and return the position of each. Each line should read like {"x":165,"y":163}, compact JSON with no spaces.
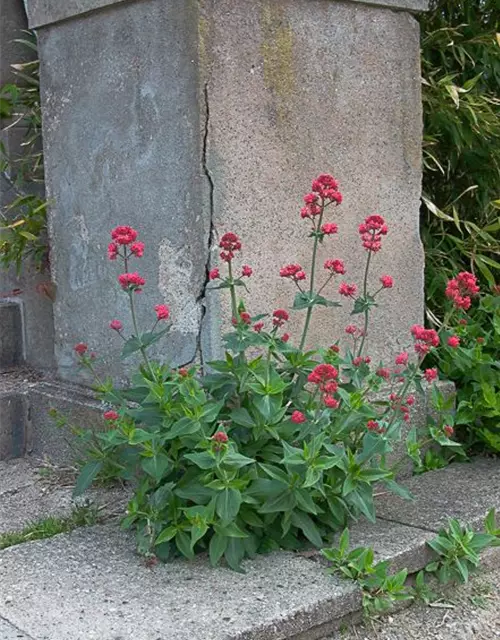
{"x":335,"y":266}
{"x":124,"y":236}
{"x":348,"y":290}
{"x":325,"y":376}
{"x":131,"y":282}
{"x":461,"y":288}
{"x":425,"y":339}
{"x":229,"y":243}
{"x":280,"y":316}
{"x":293,"y":271}
{"x":371,"y":232}
{"x":324,"y":190}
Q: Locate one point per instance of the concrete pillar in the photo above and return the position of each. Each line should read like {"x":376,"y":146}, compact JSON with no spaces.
{"x":189,"y":118}
{"x":28,"y":287}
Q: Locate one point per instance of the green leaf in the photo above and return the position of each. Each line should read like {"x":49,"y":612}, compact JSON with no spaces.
{"x":167,"y":534}
{"x":130,"y":347}
{"x":183,"y":427}
{"x":242,"y":417}
{"x":227,"y":504}
{"x":203,"y":459}
{"x":183,"y":543}
{"x":156,"y":466}
{"x":236,"y":460}
{"x":216,"y":548}
{"x":234,"y":554}
{"x":87,"y":476}
{"x":284,"y":501}
{"x":302,"y":521}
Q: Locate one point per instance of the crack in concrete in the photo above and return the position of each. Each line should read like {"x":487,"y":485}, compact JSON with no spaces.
{"x":201,"y":299}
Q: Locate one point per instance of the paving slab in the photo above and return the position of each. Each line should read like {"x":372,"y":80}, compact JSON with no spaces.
{"x":99,"y":589}
{"x":466,"y":491}
{"x":9,"y":632}
{"x":26,"y":496}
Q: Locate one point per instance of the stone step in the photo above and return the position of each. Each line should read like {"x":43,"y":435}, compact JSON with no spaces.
{"x":104,"y":591}
{"x":11,"y":335}
{"x":14,"y":419}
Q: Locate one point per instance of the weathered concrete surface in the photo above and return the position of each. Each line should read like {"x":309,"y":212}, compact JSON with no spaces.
{"x":116,"y":596}
{"x":296,"y":88}
{"x":44,"y":12}
{"x":78,"y":406}
{"x":31,"y":491}
{"x":13,"y":424}
{"x":123,"y":145}
{"x":404,"y":546}
{"x":11,"y":335}
{"x":466,"y":491}
{"x":411,"y":5}
{"x":9,"y":632}
{"x":29,"y":285}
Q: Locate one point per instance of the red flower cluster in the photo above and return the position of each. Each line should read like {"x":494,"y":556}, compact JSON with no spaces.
{"x":453,"y":342}
{"x":213,"y":274}
{"x":329,"y":228}
{"x":373,"y":425}
{"x":80,"y":348}
{"x":402,"y":358}
{"x":110,"y":415}
{"x":325,"y":375}
{"x":220,"y":437}
{"x":137,"y":249}
{"x":116,"y":325}
{"x":113,"y":251}
{"x":131,"y":282}
{"x":293,"y":271}
{"x":123,"y":235}
{"x":280,"y":316}
{"x":430,"y":374}
{"x":298,"y":417}
{"x":322,"y":374}
{"x":162,"y":312}
{"x":229,"y":243}
{"x":387,"y":282}
{"x":461,"y":288}
{"x":371,"y":232}
{"x":348,"y":290}
{"x":245,"y":318}
{"x":359,"y":360}
{"x":324,"y":189}
{"x":383,"y":372}
{"x":351,"y":329}
{"x":448,"y":430}
{"x":258,"y":326}
{"x":335,"y":266}
{"x":327,"y":187}
{"x":425,"y":339}
{"x":246,"y":271}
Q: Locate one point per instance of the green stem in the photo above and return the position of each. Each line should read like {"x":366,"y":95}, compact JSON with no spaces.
{"x":232,"y":288}
{"x":365,"y":292}
{"x":311,"y":285}
{"x":136,"y":330}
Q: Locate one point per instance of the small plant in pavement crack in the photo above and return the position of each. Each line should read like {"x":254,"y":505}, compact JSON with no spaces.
{"x":459,"y":547}
{"x":381,"y":589}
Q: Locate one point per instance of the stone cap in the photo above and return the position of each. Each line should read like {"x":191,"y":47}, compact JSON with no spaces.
{"x":45,"y":12}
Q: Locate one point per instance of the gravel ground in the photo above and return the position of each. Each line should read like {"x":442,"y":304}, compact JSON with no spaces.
{"x":474,"y":615}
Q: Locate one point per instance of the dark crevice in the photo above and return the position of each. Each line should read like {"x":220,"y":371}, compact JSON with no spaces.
{"x":201,"y":299}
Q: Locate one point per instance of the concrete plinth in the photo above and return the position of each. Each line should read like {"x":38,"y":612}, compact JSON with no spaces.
{"x":189,"y":119}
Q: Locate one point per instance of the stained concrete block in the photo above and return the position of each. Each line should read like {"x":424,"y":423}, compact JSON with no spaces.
{"x":123,"y":145}
{"x":76,"y":404}
{"x":300,"y":87}
{"x":466,"y":491}
{"x":13,"y":425}
{"x":11,"y":335}
{"x":9,"y":632}
{"x":280,"y":596}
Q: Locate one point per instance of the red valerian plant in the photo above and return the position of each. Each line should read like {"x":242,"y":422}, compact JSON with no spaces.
{"x":273,"y":446}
